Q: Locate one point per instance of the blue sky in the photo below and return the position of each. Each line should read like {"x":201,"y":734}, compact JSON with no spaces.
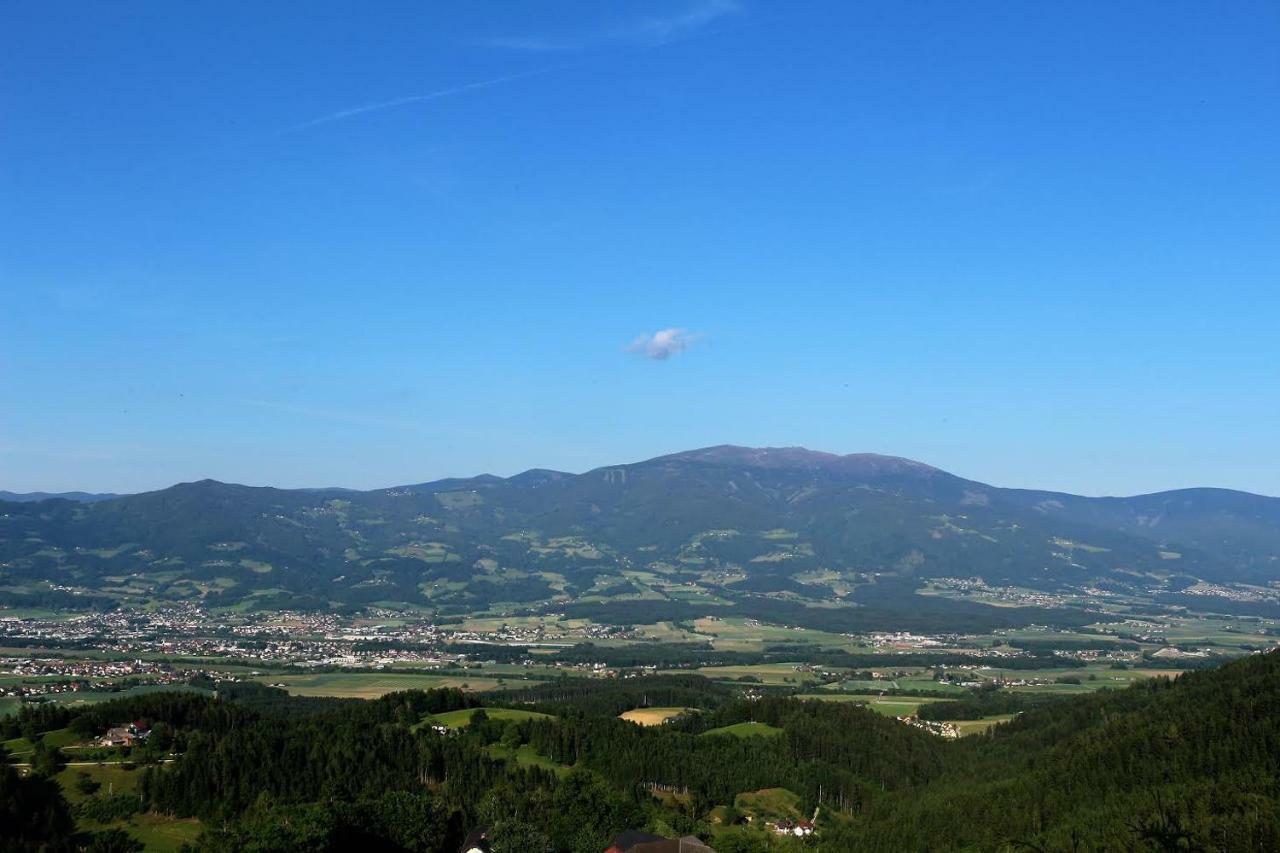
{"x":369,"y":244}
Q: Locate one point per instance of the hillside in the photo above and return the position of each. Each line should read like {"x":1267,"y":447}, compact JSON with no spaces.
{"x":1189,"y":764}
{"x":1184,"y":764}
{"x":720,"y":526}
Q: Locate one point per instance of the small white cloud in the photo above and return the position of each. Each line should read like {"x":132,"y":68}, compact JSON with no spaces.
{"x":663,"y":344}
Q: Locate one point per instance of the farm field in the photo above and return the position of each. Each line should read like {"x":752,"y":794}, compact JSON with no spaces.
{"x":890,"y":706}
{"x":360,"y":685}
{"x":742,"y":635}
{"x":973,"y":727}
{"x":652,"y":716}
{"x":746,"y":730}
{"x":768,"y":673}
{"x":926,"y":682}
{"x":459,"y":719}
{"x":1091,"y":677}
{"x":87,"y":697}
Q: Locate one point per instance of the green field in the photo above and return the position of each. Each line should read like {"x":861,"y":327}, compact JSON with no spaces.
{"x":161,"y":834}
{"x":462,"y":718}
{"x":769,"y":804}
{"x":60,"y":738}
{"x":87,"y":697}
{"x":746,"y":730}
{"x":525,"y":756}
{"x":371,"y":685}
{"x":158,"y":833}
{"x":890,"y":706}
{"x":114,"y":778}
{"x":768,"y":673}
{"x":973,"y":727}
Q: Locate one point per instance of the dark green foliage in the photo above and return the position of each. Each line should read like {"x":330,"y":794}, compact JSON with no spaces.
{"x":104,"y":809}
{"x":1137,"y":769}
{"x":47,"y":760}
{"x":86,"y":784}
{"x":33,"y":813}
{"x":114,"y":841}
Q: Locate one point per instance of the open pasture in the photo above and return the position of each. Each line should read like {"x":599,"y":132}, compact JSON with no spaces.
{"x":371,"y":685}
{"x":768,"y":673}
{"x":973,"y":727}
{"x":461,"y":718}
{"x":61,"y":738}
{"x":113,"y":778}
{"x":161,"y":834}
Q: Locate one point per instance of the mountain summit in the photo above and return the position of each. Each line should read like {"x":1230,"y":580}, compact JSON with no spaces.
{"x":801,"y":459}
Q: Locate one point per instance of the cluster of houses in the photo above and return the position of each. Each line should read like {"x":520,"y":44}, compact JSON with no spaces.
{"x":798,"y":828}
{"x":937,"y":727}
{"x":130,"y":734}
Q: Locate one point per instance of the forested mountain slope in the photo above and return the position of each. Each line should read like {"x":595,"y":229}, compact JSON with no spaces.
{"x":727,"y":520}
{"x":1187,"y":765}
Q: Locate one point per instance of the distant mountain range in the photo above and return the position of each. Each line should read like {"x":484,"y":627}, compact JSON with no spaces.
{"x":720,"y":527}
{"x":83,"y":497}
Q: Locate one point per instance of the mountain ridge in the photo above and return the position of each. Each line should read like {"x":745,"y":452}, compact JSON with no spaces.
{"x":720,"y":454}
{"x":721,"y":523}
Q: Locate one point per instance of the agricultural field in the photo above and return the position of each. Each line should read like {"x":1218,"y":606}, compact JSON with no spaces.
{"x":461,"y":718}
{"x":767,"y":673}
{"x":890,"y":706}
{"x":87,"y":697}
{"x":748,"y":635}
{"x":751,"y":729}
{"x":371,"y":685}
{"x":973,"y":727}
{"x":652,"y":716}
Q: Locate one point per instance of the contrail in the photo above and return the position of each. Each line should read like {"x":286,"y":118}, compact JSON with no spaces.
{"x":343,"y":115}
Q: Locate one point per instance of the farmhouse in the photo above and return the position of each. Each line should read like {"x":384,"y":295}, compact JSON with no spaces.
{"x":798,"y":828}
{"x":126,"y":735}
{"x":118,"y":736}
